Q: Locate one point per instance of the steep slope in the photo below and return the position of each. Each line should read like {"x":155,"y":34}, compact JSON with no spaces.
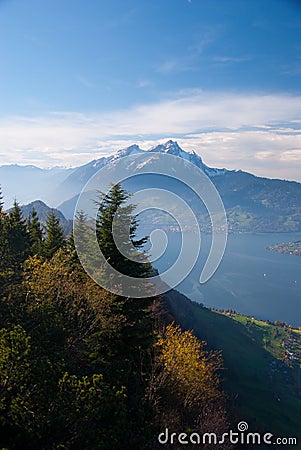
{"x":74,"y":183}
{"x":172,"y":148}
{"x":262,"y":374}
{"x":260,"y":204}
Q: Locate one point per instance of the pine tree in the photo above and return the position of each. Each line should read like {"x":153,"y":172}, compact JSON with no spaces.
{"x":18,"y":238}
{"x":4,"y":251}
{"x":128,"y":353}
{"x":35,"y":233}
{"x":85,"y":242}
{"x":55,"y":236}
{"x":113,"y":207}
{"x":1,"y":203}
{"x":137,"y":332}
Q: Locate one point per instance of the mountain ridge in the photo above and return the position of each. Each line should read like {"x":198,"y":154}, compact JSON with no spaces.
{"x":252,"y":203}
{"x":83,"y":173}
{"x":43,"y":212}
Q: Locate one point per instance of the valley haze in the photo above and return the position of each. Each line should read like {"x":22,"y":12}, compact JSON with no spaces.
{"x":253,"y":204}
{"x":83,"y":86}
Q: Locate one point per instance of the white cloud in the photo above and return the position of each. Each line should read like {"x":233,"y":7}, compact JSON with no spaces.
{"x":259,"y":133}
{"x":293,"y":156}
{"x":264,"y":155}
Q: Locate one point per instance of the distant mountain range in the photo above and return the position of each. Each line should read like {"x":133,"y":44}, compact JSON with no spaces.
{"x":43,"y":212}
{"x":29,"y":183}
{"x":253,"y":204}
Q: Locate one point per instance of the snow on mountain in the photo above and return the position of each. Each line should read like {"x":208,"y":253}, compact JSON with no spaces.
{"x":252,"y":203}
{"x":131,"y":150}
{"x":76,"y":181}
{"x":59,"y":184}
{"x":172,"y":148}
{"x":99,"y":163}
{"x":79,"y":177}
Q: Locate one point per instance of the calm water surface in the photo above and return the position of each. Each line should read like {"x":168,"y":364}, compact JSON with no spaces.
{"x":251,"y":279}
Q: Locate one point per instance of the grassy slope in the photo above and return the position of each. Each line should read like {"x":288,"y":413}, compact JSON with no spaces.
{"x":265,"y":389}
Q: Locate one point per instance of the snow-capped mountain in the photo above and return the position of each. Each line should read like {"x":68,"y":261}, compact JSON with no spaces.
{"x":172,"y":148}
{"x":84,"y":173}
{"x":29,"y":183}
{"x":71,"y":187}
{"x":74,"y":183}
{"x":252,"y":203}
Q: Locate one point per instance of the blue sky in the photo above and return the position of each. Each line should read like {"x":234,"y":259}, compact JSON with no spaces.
{"x":81,"y":79}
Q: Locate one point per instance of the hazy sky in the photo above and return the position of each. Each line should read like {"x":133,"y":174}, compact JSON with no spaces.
{"x":80,"y":79}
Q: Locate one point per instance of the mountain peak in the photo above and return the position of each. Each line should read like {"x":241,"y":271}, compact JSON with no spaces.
{"x":131,"y":150}
{"x":85,"y":172}
{"x":170,"y":147}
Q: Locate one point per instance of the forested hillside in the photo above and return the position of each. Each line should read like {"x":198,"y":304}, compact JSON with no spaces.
{"x":81,"y":368}
{"x":261,"y":360}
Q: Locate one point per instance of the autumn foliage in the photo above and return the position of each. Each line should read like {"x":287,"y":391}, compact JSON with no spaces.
{"x":81,"y":368}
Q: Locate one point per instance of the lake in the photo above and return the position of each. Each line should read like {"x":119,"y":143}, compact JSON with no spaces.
{"x":250,"y":279}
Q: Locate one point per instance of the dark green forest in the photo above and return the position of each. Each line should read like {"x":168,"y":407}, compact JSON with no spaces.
{"x":81,"y":368}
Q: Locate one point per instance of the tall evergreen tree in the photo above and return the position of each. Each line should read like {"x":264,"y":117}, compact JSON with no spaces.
{"x":1,"y":203}
{"x":35,"y":232}
{"x":18,"y":238}
{"x":85,"y":245}
{"x":136,"y":336}
{"x":3,"y":241}
{"x":80,"y":222}
{"x":55,"y":238}
{"x":113,"y":207}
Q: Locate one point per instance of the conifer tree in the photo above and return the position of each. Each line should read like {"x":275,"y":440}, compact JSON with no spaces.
{"x":112,"y":206}
{"x":1,"y":203}
{"x":129,"y":360}
{"x":137,"y":331}
{"x":80,"y":222}
{"x":55,"y":238}
{"x":85,"y":242}
{"x":35,"y":233}
{"x":3,"y":240}
{"x":18,"y":238}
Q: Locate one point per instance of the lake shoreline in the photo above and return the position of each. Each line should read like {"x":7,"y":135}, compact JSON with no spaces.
{"x":250,"y":279}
